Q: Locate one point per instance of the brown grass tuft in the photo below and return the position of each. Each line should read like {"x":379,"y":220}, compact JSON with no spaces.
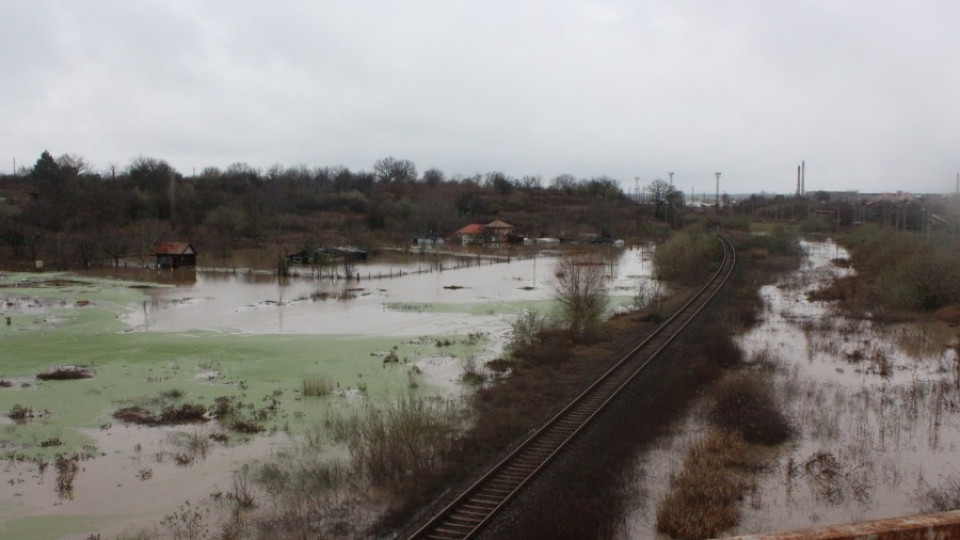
{"x":703,"y":500}
{"x":64,"y":373}
{"x":317,"y":386}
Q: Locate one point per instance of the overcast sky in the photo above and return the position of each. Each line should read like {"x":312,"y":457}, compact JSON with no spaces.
{"x":866,"y":92}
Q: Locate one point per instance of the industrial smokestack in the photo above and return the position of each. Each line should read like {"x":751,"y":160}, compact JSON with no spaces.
{"x":803,"y":177}
{"x":798,"y":180}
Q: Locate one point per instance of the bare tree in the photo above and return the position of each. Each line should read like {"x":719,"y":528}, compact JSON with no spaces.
{"x":580,"y":289}
{"x":564,"y":182}
{"x":658,"y":190}
{"x":433,"y":177}
{"x":391,"y":169}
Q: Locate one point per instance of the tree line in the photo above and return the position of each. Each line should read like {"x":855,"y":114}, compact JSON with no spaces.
{"x":65,"y":212}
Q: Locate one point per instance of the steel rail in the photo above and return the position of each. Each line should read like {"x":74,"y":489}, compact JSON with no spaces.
{"x":472,"y":510}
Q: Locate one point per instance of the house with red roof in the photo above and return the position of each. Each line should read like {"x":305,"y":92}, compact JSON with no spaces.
{"x":470,"y":234}
{"x":475,"y":233}
{"x":175,"y":254}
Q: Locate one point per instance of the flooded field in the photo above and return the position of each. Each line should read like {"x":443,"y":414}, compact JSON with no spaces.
{"x":227,"y":335}
{"x":875,"y":406}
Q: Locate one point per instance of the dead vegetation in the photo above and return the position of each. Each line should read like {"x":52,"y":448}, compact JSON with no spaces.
{"x":704,"y":498}
{"x":843,"y":289}
{"x":745,"y":404}
{"x":186,"y":413}
{"x":20,"y":414}
{"x":389,"y":446}
{"x":67,"y":469}
{"x":65,"y":373}
{"x":316,"y":386}
{"x":943,"y":498}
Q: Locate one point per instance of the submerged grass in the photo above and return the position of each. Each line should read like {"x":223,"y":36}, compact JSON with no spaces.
{"x":703,"y":499}
{"x":316,"y":386}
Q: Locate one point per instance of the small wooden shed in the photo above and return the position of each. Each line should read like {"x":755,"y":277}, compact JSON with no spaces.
{"x":175,"y":255}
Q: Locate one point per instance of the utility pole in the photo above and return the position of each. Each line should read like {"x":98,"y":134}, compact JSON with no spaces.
{"x":670,"y":174}
{"x":717,"y":200}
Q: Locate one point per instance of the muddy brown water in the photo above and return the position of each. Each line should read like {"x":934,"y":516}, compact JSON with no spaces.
{"x":877,"y":408}
{"x":132,"y":479}
{"x":395,"y":294}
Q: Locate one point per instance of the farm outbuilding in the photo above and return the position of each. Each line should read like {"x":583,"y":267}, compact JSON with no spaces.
{"x":175,"y":255}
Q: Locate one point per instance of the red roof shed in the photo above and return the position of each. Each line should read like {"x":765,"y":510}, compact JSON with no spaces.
{"x":175,"y":254}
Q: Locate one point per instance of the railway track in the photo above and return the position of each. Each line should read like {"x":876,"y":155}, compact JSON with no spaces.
{"x":475,"y":507}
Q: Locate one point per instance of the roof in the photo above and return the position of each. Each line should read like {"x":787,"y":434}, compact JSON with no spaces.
{"x":497,"y":224}
{"x":473,"y":228}
{"x":174,"y":248}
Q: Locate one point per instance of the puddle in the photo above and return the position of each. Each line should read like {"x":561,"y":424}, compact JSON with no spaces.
{"x":876,"y":406}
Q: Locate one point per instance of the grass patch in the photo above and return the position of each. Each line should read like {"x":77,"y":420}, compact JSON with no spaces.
{"x":316,"y":386}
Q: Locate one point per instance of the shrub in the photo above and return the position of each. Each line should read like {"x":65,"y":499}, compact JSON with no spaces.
{"x":904,"y":270}
{"x":687,"y":257}
{"x":718,"y":346}
{"x":580,"y":289}
{"x":392,"y":444}
{"x":816,"y":224}
{"x":779,"y":241}
{"x":745,"y":404}
{"x":472,"y":372}
{"x":527,"y":333}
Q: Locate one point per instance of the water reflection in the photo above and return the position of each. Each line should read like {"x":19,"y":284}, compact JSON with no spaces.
{"x":449,"y":294}
{"x":876,"y":408}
